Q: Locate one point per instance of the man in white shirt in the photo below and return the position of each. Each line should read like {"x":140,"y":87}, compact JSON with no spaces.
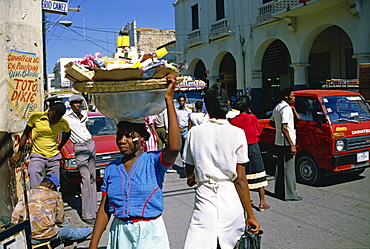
{"x":285,"y":140}
{"x":84,"y":148}
{"x":183,"y":116}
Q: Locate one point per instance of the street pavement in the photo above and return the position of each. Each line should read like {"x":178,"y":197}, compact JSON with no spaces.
{"x":335,"y":214}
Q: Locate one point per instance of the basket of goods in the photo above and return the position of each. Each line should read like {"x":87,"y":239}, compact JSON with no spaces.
{"x":130,"y":85}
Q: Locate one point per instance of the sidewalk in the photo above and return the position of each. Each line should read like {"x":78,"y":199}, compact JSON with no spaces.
{"x":332,"y":215}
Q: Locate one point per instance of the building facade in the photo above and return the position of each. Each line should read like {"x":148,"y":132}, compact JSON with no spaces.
{"x":60,"y":80}
{"x":259,"y":47}
{"x":147,"y":40}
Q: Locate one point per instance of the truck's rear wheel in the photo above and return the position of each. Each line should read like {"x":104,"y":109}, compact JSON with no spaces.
{"x":307,"y":171}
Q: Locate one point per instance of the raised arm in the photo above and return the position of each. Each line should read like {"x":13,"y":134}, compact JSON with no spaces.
{"x":241,"y":185}
{"x":296,"y":114}
{"x":171,"y":151}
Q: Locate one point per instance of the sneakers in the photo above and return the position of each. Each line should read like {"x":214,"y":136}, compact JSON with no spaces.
{"x":171,"y":170}
{"x":263,"y":207}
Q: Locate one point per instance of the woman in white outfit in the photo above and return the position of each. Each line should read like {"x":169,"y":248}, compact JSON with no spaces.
{"x":197,"y":117}
{"x":215,"y":154}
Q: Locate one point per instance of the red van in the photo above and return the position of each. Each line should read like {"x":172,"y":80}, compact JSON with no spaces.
{"x":103,"y":131}
{"x":333,"y":134}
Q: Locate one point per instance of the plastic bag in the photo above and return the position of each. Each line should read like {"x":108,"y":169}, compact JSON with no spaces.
{"x":249,"y":240}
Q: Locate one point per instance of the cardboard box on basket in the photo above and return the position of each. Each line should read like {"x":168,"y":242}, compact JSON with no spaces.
{"x":163,"y":71}
{"x":77,"y":74}
{"x":130,"y":73}
{"x":117,"y":74}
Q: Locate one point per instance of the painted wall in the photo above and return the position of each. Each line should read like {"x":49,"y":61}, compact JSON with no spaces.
{"x":21,"y":83}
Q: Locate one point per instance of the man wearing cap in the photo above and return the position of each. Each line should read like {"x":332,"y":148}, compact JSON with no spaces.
{"x":84,"y":149}
{"x":46,"y":214}
{"x":45,"y":128}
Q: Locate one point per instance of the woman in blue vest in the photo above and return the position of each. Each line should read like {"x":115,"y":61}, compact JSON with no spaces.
{"x":132,"y":186}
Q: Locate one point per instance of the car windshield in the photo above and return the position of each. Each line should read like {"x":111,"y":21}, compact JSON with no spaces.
{"x":100,"y":126}
{"x":346,"y":108}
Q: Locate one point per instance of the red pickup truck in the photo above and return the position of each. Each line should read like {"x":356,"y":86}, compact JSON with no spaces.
{"x":333,"y":134}
{"x":103,"y":131}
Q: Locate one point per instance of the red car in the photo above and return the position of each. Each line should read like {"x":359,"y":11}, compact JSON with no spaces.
{"x":103,"y":131}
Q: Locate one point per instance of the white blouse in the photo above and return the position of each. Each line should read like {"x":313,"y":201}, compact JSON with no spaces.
{"x":215,"y":148}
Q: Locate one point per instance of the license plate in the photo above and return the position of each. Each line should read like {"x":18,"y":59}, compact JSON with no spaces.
{"x":363,"y":156}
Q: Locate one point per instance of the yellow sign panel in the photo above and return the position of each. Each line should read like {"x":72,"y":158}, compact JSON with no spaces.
{"x":24,"y":99}
{"x":24,"y":85}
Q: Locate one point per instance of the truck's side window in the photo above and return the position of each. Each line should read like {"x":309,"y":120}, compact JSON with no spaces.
{"x":307,"y":108}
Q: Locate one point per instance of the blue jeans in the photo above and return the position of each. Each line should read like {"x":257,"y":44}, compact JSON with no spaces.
{"x":66,"y":232}
{"x":73,"y":233}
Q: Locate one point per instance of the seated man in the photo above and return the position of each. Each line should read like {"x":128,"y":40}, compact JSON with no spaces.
{"x":303,"y":111}
{"x":46,"y":211}
{"x":332,"y":109}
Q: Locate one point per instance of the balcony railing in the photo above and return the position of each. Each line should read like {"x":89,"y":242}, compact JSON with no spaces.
{"x":219,"y":29}
{"x":194,"y":38}
{"x":268,"y":10}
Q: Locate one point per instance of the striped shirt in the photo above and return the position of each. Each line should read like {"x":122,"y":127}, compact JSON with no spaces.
{"x":46,"y":211}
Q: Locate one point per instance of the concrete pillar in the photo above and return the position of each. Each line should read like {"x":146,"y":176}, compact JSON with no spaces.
{"x":257,"y":79}
{"x":256,"y":94}
{"x":21,"y":31}
{"x":300,"y":75}
{"x":361,"y":58}
{"x":212,"y":79}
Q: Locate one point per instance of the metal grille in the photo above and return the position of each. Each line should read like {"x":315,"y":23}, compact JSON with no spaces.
{"x":106,"y":158}
{"x":356,"y":143}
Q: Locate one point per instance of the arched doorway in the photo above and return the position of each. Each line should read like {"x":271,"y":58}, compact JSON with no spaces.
{"x":276,"y":73}
{"x":200,"y":70}
{"x":227,"y":73}
{"x":331,"y":58}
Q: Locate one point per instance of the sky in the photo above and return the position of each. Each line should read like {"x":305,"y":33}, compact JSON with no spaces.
{"x":97,"y":25}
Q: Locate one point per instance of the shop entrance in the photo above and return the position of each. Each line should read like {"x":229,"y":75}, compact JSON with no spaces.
{"x":331,"y":58}
{"x":227,"y":73}
{"x":276,"y":73}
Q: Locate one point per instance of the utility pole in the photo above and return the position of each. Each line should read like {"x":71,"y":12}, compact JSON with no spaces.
{"x":44,"y":30}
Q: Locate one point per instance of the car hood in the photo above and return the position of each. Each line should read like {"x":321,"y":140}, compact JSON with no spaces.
{"x":103,"y":144}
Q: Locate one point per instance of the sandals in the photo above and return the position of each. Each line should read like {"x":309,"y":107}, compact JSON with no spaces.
{"x":263,"y":207}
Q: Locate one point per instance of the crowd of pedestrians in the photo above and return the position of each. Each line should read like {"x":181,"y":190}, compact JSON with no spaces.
{"x":224,"y":168}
